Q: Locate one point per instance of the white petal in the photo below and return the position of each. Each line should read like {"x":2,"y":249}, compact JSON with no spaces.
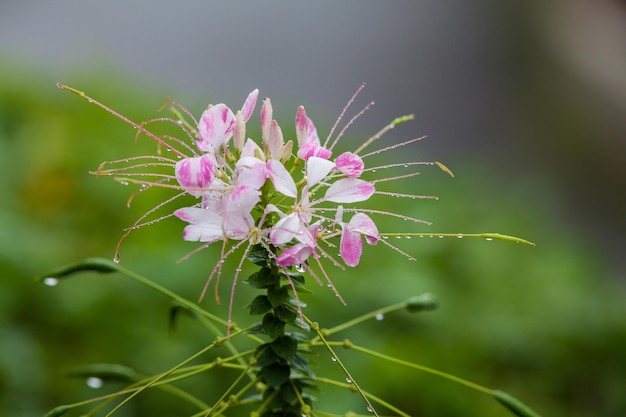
{"x":317,"y":169}
{"x":281,"y":178}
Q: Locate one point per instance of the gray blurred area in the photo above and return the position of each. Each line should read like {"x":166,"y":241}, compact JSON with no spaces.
{"x":531,"y":90}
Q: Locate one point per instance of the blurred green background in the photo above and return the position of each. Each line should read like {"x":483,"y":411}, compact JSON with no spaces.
{"x":546,"y":324}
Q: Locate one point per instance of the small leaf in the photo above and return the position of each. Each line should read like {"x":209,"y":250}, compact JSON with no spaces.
{"x":57,"y":411}
{"x":258,"y":255}
{"x":256,"y":329}
{"x":295,"y":276}
{"x":285,"y":347}
{"x":513,"y":404}
{"x":263,"y":278}
{"x":273,"y":326}
{"x":421,"y":303}
{"x":106,"y":371}
{"x":278,"y":296}
{"x":175,"y":311}
{"x":300,"y":363}
{"x":285,"y":313}
{"x":260,"y":305}
{"x":275,"y":375}
{"x":266,"y":356}
{"x":87,"y":265}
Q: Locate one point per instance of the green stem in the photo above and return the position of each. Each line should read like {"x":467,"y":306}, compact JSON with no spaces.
{"x":486,"y":236}
{"x":315,"y":327}
{"x":425,"y":300}
{"x":348,"y":345}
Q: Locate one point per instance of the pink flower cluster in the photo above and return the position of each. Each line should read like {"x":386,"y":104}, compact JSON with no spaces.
{"x":262,"y":193}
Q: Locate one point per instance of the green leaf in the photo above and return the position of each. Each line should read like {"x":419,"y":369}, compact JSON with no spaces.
{"x":266,"y":356}
{"x":275,"y":375}
{"x":300,"y":363}
{"x":278,"y":296}
{"x":285,"y":346}
{"x":285,"y":313}
{"x":256,"y":329}
{"x":260,"y":305}
{"x":513,"y":404}
{"x":298,"y":322}
{"x":263,"y":278}
{"x":421,"y":303}
{"x":57,"y":411}
{"x":258,"y":255}
{"x":273,"y":326}
{"x":87,"y":265}
{"x":106,"y":371}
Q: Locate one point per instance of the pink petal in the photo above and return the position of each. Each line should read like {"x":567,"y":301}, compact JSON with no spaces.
{"x":349,"y":190}
{"x":362,"y":224}
{"x":311,"y":149}
{"x":349,"y":164}
{"x":249,"y":104}
{"x":301,"y":126}
{"x":266,"y":118}
{"x":215,"y":127}
{"x":250,"y":172}
{"x":317,"y":169}
{"x":242,"y":200}
{"x":196,"y":173}
{"x":275,"y":141}
{"x":350,"y":247}
{"x":239,"y":131}
{"x":283,"y":182}
{"x":294,"y":255}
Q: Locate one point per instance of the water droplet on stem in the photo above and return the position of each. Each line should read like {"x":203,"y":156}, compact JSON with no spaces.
{"x":94,"y":382}
{"x":50,"y":281}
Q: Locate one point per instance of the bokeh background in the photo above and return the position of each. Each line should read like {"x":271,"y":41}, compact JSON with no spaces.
{"x":525,"y":102}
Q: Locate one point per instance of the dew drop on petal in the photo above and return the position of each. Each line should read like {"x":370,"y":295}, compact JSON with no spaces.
{"x":349,"y":380}
{"x":459,"y":237}
{"x":380,"y":316}
{"x":441,"y":237}
{"x":94,"y":382}
{"x":369,"y":409}
{"x":489,"y":238}
{"x":300,"y":268}
{"x":332,"y":358}
{"x":116,"y":258}
{"x":50,"y":281}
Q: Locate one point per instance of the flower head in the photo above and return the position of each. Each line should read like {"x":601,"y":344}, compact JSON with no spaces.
{"x":269,"y":192}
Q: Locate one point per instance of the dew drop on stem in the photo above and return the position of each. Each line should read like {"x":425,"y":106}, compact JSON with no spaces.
{"x":50,"y":281}
{"x":94,"y":382}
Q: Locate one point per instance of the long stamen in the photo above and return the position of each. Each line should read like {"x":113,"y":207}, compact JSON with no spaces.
{"x":136,"y":225}
{"x":356,"y":116}
{"x":332,"y":130}
{"x":119,"y":116}
{"x":388,"y":148}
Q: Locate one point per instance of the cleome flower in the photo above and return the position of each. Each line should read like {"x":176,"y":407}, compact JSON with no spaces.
{"x":294,"y":198}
